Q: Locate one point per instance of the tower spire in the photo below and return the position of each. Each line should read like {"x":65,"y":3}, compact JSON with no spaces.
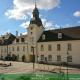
{"x":35,"y":11}
{"x":36,"y":20}
{"x":35,"y":4}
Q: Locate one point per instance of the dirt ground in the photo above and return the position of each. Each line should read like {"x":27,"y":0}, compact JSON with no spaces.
{"x":22,"y":67}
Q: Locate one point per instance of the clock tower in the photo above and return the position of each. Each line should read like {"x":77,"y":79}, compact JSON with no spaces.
{"x":35,"y":30}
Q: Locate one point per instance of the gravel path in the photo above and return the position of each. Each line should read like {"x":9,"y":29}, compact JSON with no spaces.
{"x":21,"y":67}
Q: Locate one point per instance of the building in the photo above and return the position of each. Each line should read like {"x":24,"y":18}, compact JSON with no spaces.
{"x":51,"y":46}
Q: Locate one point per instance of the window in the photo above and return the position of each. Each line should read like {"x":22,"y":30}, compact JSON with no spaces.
{"x":31,"y":28}
{"x":32,"y":49}
{"x":69,"y":47}
{"x":42,"y":48}
{"x":43,"y":37}
{"x":42,"y":57}
{"x":9,"y":49}
{"x":5,"y":50}
{"x":58,"y":47}
{"x":31,"y":32}
{"x":22,"y":40}
{"x":58,"y":58}
{"x":17,"y":40}
{"x":49,"y":47}
{"x":23,"y":48}
{"x":18,"y":48}
{"x":50,"y":57}
{"x":69,"y":59}
{"x":59,"y":35}
{"x":12,"y":48}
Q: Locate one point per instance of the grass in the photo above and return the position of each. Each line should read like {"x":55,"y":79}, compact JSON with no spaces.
{"x":38,"y":76}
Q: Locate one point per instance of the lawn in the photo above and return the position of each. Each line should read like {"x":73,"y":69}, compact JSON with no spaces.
{"x":39,"y":76}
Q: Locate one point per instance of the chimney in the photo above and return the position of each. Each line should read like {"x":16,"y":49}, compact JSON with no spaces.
{"x":16,"y":33}
{"x":20,"y":34}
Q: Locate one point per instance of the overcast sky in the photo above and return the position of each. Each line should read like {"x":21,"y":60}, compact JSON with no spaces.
{"x":16,"y":14}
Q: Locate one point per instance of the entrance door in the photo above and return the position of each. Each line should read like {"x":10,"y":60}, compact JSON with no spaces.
{"x":32,"y":58}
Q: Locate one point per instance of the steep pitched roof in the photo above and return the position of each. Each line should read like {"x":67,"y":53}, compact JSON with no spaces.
{"x":7,"y":39}
{"x":72,"y":33}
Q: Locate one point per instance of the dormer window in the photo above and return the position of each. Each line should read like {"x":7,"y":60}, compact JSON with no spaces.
{"x":43,"y":36}
{"x":59,"y":35}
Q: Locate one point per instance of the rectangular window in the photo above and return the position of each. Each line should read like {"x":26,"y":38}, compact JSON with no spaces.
{"x":43,"y":36}
{"x":5,"y":50}
{"x":42,"y":48}
{"x":32,"y":49}
{"x":59,"y":35}
{"x":12,"y":48}
{"x":9,"y":49}
{"x":69,"y":59}
{"x":49,"y":57}
{"x":42,"y":57}
{"x":17,"y":40}
{"x":58,"y":58}
{"x":23,"y":48}
{"x":58,"y":47}
{"x":22,"y":40}
{"x":18,"y":48}
{"x":69,"y":47}
{"x":49,"y":47}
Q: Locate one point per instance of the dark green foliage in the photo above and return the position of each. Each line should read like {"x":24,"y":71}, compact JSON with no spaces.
{"x":24,"y":78}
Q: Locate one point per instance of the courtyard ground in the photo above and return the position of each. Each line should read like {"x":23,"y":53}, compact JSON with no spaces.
{"x":22,"y":67}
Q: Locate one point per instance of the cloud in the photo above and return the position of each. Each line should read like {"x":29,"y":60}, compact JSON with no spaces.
{"x":25,"y":33}
{"x":6,"y":31}
{"x":48,"y":25}
{"x":22,"y":8}
{"x":76,"y":14}
{"x":25,"y":24}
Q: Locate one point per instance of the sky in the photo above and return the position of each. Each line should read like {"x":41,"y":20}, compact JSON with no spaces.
{"x":16,"y":14}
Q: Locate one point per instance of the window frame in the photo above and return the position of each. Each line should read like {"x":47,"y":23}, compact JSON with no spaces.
{"x":69,"y":58}
{"x":69,"y":47}
{"x":42,"y":47}
{"x":42,"y":57}
{"x":58,"y":47}
{"x":49,"y":47}
{"x":17,"y":40}
{"x":58,"y":58}
{"x":49,"y":57}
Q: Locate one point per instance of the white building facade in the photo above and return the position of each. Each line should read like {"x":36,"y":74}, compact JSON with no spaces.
{"x":52,"y":46}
